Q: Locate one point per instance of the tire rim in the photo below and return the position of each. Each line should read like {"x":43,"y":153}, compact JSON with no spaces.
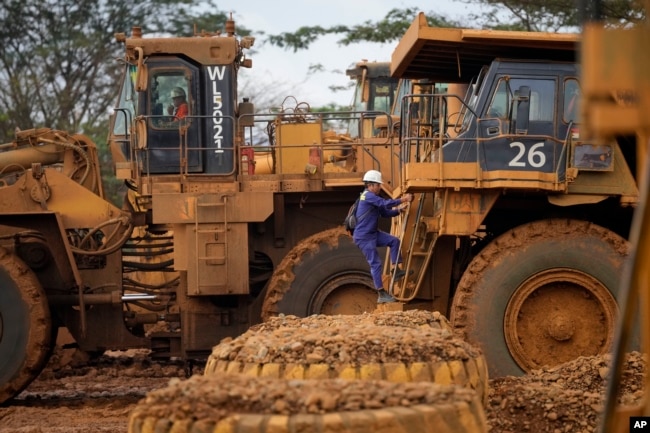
{"x":344,"y":294}
{"x":556,"y":316}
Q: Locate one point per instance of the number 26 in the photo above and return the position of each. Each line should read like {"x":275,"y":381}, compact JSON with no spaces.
{"x":536,"y":157}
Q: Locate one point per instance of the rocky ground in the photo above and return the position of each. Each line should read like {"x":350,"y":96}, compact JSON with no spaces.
{"x":99,"y":395}
{"x":567,"y":398}
{"x":88,"y":396}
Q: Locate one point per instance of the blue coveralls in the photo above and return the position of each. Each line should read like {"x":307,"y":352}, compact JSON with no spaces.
{"x":368,"y":237}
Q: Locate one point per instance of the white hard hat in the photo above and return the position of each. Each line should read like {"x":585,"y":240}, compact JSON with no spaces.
{"x":372,"y":176}
{"x":177,"y":91}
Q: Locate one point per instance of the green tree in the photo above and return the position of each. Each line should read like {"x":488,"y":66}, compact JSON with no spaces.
{"x":390,"y":28}
{"x":552,"y":15}
{"x":57,"y":65}
{"x":527,"y":15}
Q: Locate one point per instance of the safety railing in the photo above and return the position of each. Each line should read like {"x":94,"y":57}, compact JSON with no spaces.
{"x":425,"y":133}
{"x":313,"y":144}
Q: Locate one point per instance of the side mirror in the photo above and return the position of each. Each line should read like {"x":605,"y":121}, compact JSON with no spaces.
{"x":522,"y":102}
{"x":141,"y":73}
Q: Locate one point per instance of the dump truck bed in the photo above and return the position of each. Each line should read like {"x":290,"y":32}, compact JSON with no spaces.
{"x":452,"y":55}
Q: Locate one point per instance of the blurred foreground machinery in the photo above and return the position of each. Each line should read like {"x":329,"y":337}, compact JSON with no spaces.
{"x":616,"y":104}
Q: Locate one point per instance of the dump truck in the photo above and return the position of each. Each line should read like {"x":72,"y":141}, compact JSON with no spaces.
{"x":519,"y":228}
{"x":230,"y":214}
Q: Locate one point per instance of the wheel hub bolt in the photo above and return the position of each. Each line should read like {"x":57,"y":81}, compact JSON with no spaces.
{"x":560,"y":327}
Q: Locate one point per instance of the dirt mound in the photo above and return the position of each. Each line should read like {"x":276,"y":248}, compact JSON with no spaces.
{"x":241,"y":403}
{"x":590,"y":374}
{"x":409,"y":319}
{"x":338,"y":343}
{"x":217,"y":396}
{"x":566,"y":398}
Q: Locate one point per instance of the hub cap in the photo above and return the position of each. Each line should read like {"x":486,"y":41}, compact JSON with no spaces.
{"x":558,"y":315}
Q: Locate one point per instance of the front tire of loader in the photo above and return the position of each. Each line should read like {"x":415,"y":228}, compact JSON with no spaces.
{"x":324,"y":274}
{"x":541,"y":294}
{"x":25,"y":326}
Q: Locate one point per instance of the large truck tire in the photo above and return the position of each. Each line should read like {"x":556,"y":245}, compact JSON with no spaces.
{"x":325,"y":273}
{"x":25,"y":326}
{"x":351,"y":349}
{"x":541,"y":294}
{"x":237,"y":403}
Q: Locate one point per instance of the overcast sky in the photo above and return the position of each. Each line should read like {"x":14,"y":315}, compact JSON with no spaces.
{"x":290,"y":70}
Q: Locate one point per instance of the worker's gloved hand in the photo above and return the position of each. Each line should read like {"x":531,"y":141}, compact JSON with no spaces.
{"x":407,"y":198}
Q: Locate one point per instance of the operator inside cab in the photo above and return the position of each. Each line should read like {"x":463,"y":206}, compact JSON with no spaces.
{"x":178,"y":108}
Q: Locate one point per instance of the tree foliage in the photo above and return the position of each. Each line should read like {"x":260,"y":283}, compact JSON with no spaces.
{"x":525,"y":15}
{"x":388,"y":29}
{"x":53,"y":70}
{"x":57,"y":66}
{"x":554,"y":15}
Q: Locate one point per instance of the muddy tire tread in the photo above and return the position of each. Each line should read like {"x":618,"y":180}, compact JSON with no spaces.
{"x":458,"y":417}
{"x":463,"y":316}
{"x":470,"y":373}
{"x":38,"y":344}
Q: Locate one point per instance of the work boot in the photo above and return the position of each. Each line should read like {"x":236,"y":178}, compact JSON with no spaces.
{"x":399,"y":273}
{"x":385,"y":297}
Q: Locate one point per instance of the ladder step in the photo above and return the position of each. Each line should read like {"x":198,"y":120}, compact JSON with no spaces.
{"x":220,"y":287}
{"x":219,"y":204}
{"x":211,"y":231}
{"x":218,"y":260}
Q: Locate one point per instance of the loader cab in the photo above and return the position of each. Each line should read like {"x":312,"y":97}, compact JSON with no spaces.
{"x":144,"y":132}
{"x":374,"y":96}
{"x":425,"y":109}
{"x":174,"y":145}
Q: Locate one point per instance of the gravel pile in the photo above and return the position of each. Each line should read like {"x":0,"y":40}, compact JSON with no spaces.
{"x":217,"y":396}
{"x":564,"y":399}
{"x":409,"y":319}
{"x":386,"y":338}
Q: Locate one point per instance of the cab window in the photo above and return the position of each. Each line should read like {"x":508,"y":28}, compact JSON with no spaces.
{"x":126,"y":108}
{"x":542,"y":96}
{"x":382,"y":94}
{"x":571,"y":101}
{"x":169,"y":98}
{"x":499,"y":105}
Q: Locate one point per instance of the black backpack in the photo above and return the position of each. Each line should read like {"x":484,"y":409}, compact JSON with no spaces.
{"x":350,"y":221}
